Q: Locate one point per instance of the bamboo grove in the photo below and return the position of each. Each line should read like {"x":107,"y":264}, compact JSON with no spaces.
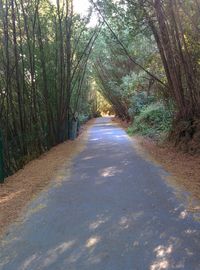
{"x":44,"y":50}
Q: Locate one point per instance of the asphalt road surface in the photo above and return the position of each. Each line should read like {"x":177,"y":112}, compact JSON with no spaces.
{"x":115,"y":212}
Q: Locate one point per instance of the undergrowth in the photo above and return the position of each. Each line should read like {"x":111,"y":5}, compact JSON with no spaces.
{"x":153,"y":121}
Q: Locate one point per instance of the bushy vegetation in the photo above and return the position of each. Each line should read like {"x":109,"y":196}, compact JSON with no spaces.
{"x":154,"y":120}
{"x":138,"y":102}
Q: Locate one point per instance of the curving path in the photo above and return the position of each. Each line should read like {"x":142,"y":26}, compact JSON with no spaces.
{"x":115,"y":212}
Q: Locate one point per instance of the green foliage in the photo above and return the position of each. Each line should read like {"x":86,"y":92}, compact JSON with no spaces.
{"x":117,"y":76}
{"x":154,"y":121}
{"x":44,"y":76}
{"x":138,"y":101}
{"x":82,"y":119}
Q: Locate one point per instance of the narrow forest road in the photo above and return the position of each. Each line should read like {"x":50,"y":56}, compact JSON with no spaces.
{"x":115,"y":212}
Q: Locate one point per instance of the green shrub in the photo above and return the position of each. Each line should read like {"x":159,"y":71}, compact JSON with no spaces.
{"x":138,"y":102}
{"x":153,"y":121}
{"x":83,"y":119}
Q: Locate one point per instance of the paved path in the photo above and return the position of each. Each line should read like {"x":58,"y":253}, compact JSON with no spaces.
{"x":114,"y":213}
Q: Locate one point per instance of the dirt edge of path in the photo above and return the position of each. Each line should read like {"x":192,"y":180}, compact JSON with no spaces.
{"x":20,"y":188}
{"x":184,"y":169}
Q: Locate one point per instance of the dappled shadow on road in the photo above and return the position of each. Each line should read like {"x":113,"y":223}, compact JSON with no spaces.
{"x":114,"y":213}
{"x":142,"y":246}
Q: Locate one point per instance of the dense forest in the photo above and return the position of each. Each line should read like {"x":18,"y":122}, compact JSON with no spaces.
{"x":56,"y":69}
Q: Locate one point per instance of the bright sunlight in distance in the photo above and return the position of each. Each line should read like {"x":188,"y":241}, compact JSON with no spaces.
{"x":82,"y":7}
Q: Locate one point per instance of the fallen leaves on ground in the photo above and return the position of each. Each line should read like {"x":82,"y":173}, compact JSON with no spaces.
{"x":184,"y":168}
{"x":20,"y":188}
